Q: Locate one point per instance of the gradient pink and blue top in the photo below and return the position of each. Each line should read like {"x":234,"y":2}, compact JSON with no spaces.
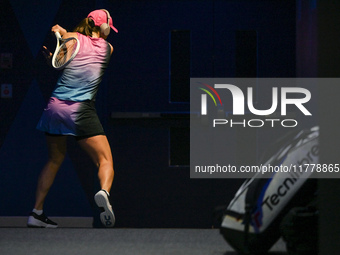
{"x":80,"y":78}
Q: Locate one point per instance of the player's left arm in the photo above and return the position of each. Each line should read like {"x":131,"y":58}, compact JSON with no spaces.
{"x":111,"y":47}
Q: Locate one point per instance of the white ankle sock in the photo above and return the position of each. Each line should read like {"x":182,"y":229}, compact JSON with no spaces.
{"x":39,"y":212}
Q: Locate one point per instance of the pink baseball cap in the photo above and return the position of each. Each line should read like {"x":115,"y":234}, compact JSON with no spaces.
{"x":100,"y":17}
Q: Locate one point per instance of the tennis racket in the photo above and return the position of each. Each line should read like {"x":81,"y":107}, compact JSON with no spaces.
{"x":65,"y":51}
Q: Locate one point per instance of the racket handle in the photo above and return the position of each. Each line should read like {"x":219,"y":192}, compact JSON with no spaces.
{"x":57,"y":34}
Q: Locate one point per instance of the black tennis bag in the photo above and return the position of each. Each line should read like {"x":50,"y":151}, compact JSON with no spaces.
{"x":251,"y":222}
{"x":299,"y":229}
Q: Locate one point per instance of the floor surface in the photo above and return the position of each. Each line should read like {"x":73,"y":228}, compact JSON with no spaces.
{"x":85,"y":241}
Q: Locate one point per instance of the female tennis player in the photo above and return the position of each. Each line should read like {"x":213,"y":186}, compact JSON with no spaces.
{"x":71,"y":112}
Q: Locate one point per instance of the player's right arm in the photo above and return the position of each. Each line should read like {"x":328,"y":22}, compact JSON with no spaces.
{"x":63,"y":32}
{"x":56,"y":28}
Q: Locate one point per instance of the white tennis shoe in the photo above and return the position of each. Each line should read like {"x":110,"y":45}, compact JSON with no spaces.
{"x":102,"y":199}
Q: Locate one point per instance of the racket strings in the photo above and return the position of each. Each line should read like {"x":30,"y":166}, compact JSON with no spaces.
{"x":65,"y":52}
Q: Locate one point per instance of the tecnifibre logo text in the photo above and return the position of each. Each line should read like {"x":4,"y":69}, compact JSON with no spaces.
{"x":294,"y":96}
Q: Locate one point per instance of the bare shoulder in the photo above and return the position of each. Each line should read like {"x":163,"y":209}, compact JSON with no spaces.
{"x":70,"y":34}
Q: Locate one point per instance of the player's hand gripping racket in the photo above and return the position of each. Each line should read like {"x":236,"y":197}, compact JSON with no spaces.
{"x":65,"y":51}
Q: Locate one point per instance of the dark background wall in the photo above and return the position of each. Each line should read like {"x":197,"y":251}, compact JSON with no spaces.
{"x":328,"y":66}
{"x":152,"y":187}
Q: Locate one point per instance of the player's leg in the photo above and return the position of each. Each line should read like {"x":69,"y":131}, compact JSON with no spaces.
{"x":99,"y":150}
{"x":56,"y":153}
